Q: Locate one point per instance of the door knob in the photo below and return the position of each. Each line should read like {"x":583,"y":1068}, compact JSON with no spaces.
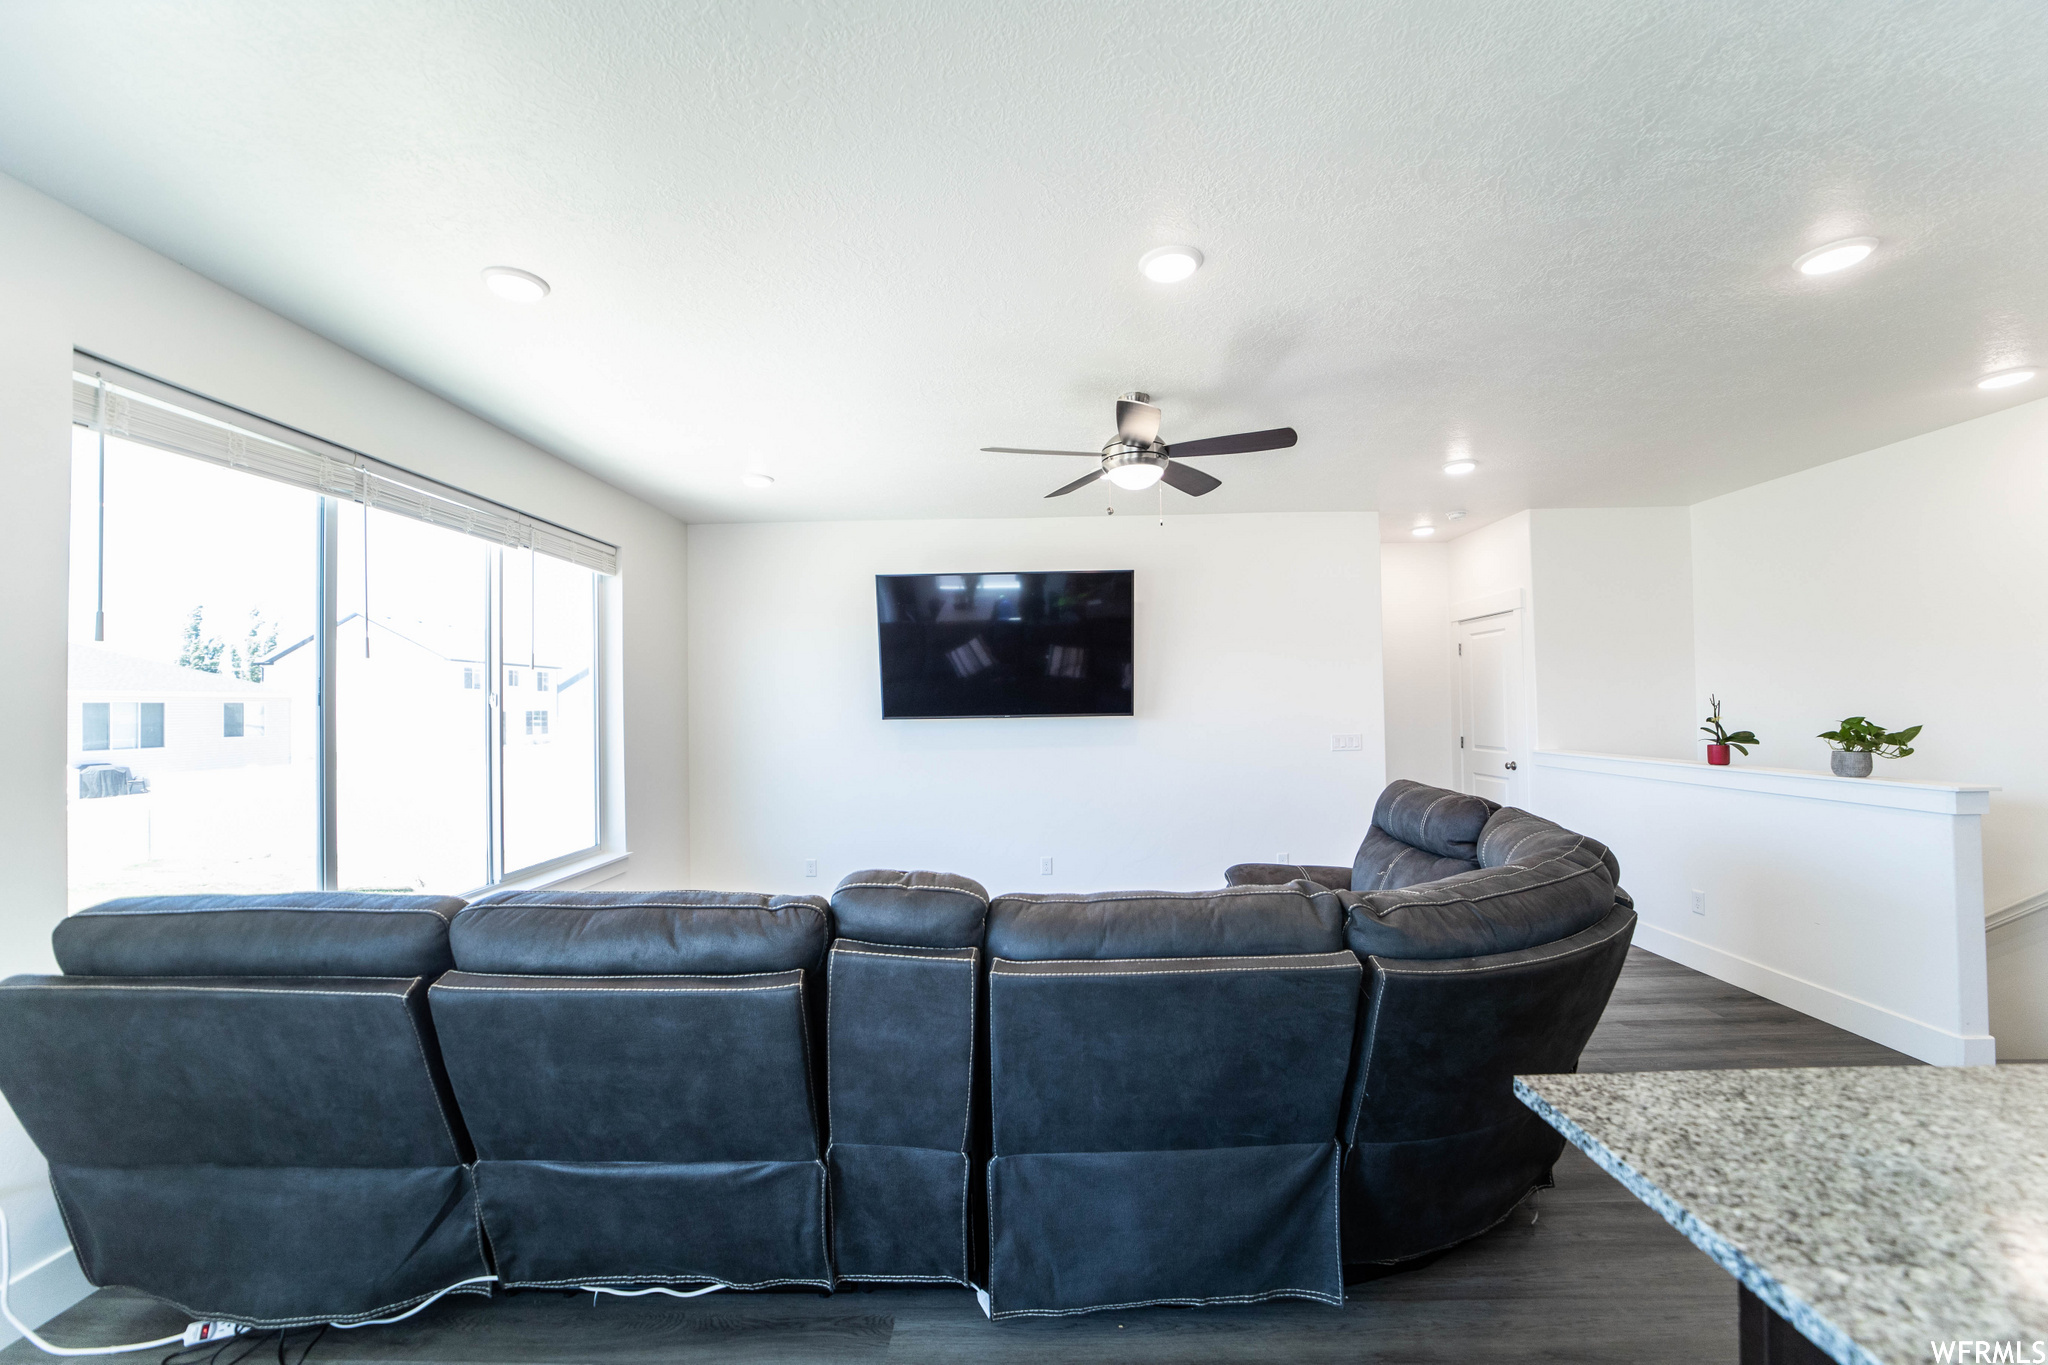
{"x":1510,"y":765}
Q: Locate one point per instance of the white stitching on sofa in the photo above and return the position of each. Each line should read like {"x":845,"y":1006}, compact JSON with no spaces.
{"x":1496,"y":967}
{"x":793,"y":903}
{"x":433,"y":1091}
{"x":1164,"y":971}
{"x":1110,"y":897}
{"x":105,"y":984}
{"x":840,"y":947}
{"x":616,"y":990}
{"x":117,"y":916}
{"x":902,"y":886}
{"x":1319,"y":1295}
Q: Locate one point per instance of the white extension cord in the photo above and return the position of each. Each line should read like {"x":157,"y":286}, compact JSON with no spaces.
{"x":6,"y":1277}
{"x":214,"y":1331}
{"x":596,"y":1289}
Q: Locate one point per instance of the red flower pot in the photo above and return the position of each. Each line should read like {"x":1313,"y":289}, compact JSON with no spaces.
{"x":1717,"y":754}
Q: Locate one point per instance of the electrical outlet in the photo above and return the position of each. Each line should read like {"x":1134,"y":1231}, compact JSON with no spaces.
{"x":1699,"y":902}
{"x":810,"y":867}
{"x":1348,"y":743}
{"x":1045,"y":867}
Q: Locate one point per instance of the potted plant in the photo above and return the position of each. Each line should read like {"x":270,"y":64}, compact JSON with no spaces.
{"x":1719,"y":741}
{"x":1856,"y":739}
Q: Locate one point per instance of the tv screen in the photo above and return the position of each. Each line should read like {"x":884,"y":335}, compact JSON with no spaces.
{"x":1005,"y":644}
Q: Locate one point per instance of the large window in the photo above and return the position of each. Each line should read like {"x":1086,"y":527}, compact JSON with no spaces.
{"x":295,"y":667}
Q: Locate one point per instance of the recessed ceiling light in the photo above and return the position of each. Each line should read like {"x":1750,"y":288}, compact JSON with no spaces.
{"x":758,"y":480}
{"x":2005,"y":379}
{"x":1835,"y":256}
{"x":1423,"y":531}
{"x":516,"y":286}
{"x":1169,"y":264}
{"x":1463,"y":464}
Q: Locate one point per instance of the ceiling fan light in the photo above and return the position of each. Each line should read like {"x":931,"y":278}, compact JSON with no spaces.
{"x":1169,"y":264}
{"x":1133,"y":477}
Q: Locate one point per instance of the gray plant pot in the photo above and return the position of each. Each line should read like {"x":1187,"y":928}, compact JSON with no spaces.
{"x":1846,"y":764}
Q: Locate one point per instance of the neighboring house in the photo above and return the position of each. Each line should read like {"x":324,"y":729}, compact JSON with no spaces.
{"x":152,"y":717}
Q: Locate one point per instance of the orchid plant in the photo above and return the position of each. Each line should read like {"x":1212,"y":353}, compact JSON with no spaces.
{"x":1718,"y":734}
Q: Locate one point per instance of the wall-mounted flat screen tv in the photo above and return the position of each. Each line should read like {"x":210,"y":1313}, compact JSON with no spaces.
{"x":1005,"y":644}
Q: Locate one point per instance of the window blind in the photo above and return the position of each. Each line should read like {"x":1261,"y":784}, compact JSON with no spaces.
{"x":106,"y":397}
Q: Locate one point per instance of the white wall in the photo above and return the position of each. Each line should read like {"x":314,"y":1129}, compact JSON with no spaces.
{"x":1612,"y":588}
{"x":65,"y":282}
{"x":1257,"y":638}
{"x":1908,"y":584}
{"x":1415,"y":642}
{"x":1491,"y":560}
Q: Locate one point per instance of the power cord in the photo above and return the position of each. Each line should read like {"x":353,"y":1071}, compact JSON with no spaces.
{"x":596,"y":1289}
{"x":179,"y":1340}
{"x":6,"y":1275}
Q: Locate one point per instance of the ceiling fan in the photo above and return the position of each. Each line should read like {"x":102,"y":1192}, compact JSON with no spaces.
{"x":1137,"y":458}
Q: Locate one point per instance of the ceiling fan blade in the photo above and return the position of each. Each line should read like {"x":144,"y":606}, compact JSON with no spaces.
{"x":1082,"y":482}
{"x":1137,"y":421}
{"x":1279,"y":438}
{"x":1019,"y":450}
{"x":1189,"y":480}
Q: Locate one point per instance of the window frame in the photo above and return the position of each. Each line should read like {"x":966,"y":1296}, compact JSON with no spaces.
{"x":606,"y":794}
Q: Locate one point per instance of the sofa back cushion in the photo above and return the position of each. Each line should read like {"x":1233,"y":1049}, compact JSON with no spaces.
{"x":1419,"y":834}
{"x":639,"y":933}
{"x":1537,"y":883}
{"x":910,"y":909}
{"x":1237,"y":921}
{"x":311,"y":933}
{"x":1516,"y":837}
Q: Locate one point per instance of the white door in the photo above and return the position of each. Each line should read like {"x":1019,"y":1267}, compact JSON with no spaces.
{"x":1489,"y":706}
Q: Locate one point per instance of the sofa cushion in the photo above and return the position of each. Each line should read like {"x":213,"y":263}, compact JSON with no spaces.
{"x":1238,"y":921}
{"x":1384,"y":863}
{"x":645,"y":933}
{"x":910,"y":909}
{"x":304,"y":933}
{"x":1515,"y":836}
{"x":1539,"y":883}
{"x":1445,"y":823}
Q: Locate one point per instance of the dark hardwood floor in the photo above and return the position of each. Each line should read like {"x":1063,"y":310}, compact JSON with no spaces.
{"x":1580,"y":1273}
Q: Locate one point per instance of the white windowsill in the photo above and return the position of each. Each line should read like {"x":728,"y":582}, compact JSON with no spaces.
{"x":1939,"y":798}
{"x":547,"y":878}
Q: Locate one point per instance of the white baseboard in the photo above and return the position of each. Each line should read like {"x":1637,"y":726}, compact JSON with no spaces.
{"x":42,"y":1292}
{"x":1880,"y":1025}
{"x":2013,"y":914}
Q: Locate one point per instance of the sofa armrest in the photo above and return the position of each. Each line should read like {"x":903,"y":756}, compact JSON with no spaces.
{"x":1279,"y":874}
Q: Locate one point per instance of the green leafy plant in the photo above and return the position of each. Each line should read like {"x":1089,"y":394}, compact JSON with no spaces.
{"x":1858,"y":736}
{"x":1718,"y":734}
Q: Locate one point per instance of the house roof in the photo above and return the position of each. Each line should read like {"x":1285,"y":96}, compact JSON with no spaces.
{"x":95,"y":668}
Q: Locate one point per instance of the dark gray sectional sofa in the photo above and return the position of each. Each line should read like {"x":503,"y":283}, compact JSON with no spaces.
{"x":289,"y":1109}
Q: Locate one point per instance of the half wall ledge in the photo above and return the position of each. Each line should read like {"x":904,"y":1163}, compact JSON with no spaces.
{"x":1859,"y":901}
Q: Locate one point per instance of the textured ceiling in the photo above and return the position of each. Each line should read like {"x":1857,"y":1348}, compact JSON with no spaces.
{"x":847,"y":244}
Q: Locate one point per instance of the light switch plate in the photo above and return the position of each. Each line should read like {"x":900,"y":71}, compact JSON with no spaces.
{"x":1045,"y":867}
{"x":810,"y":867}
{"x":1347,"y":743}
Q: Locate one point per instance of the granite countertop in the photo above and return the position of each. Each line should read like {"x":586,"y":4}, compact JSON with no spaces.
{"x":1879,"y":1209}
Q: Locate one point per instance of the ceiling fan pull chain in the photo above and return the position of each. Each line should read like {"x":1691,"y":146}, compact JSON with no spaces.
{"x":1162,"y":502}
